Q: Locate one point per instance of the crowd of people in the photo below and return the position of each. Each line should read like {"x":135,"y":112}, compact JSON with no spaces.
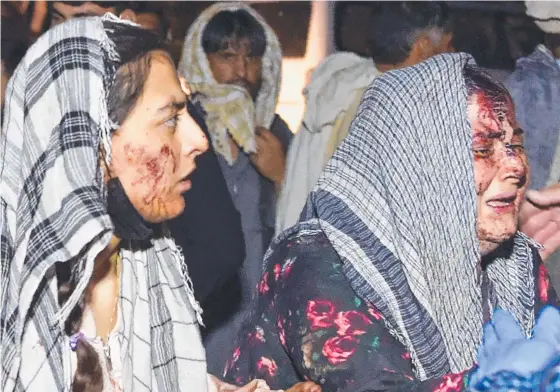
{"x":163,"y":229}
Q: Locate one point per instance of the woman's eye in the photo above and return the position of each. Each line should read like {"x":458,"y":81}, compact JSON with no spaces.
{"x":516,"y":147}
{"x":482,"y":152}
{"x":172,"y":122}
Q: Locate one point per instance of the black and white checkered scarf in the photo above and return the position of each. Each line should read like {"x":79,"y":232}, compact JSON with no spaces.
{"x":52,"y":209}
{"x":398,"y":202}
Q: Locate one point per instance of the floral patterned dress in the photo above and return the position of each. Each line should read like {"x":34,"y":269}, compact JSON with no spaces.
{"x":308,"y":324}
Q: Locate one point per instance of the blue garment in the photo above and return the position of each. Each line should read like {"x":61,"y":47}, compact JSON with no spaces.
{"x":547,"y":380}
{"x":535,"y":89}
{"x":507,"y":359}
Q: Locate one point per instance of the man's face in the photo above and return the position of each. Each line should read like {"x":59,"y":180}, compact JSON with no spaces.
{"x":151,"y":21}
{"x":63,"y":11}
{"x":235,"y":65}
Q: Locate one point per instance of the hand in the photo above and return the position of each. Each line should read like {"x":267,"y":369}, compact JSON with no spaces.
{"x":505,"y":347}
{"x":217,"y":385}
{"x":539,"y":218}
{"x":307,"y":386}
{"x":270,"y":159}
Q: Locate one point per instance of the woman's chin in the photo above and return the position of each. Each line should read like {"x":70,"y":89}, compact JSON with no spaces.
{"x":171,"y":210}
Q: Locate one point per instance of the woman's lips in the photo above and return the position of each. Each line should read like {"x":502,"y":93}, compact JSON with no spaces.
{"x":185,"y":184}
{"x":503,"y":203}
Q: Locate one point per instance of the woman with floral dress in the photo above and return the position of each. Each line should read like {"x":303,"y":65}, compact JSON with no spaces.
{"x":406,"y":245}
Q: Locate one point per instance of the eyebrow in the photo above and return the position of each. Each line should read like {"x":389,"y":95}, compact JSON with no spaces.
{"x":490,"y":135}
{"x":84,"y":14}
{"x":175,"y":105}
{"x":518,"y":131}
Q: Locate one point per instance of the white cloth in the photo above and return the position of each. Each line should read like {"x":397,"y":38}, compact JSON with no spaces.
{"x":328,"y":95}
{"x":546,"y":14}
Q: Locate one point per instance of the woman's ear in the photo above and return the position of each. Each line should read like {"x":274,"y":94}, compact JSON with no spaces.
{"x":128,"y":14}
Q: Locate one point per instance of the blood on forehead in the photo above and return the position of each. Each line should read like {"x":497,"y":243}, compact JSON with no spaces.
{"x":499,"y":108}
{"x":491,"y":96}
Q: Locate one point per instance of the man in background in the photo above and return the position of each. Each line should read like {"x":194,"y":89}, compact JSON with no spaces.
{"x":232,"y":60}
{"x":402,"y":34}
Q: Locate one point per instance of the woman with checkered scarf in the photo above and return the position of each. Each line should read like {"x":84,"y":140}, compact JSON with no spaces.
{"x":95,"y":149}
{"x":407,"y":245}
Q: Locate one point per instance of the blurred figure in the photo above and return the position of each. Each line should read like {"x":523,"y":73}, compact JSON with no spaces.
{"x":535,"y":89}
{"x":146,"y":14}
{"x":152,"y":17}
{"x":35,"y":14}
{"x":402,"y":34}
{"x":62,"y":11}
{"x":232,"y":61}
{"x":15,"y":40}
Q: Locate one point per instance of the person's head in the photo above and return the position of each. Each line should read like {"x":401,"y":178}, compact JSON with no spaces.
{"x":234,"y":43}
{"x":151,"y":17}
{"x":61,"y":11}
{"x":153,"y":150}
{"x":405,"y":33}
{"x":15,"y":40}
{"x":500,"y":164}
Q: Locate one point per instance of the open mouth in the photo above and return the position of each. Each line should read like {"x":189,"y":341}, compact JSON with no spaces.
{"x":502,"y":203}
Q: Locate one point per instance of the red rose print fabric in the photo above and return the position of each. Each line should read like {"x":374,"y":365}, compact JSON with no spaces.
{"x":309,"y":324}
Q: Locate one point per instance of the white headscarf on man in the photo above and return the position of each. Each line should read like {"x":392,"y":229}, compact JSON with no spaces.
{"x":230,"y":109}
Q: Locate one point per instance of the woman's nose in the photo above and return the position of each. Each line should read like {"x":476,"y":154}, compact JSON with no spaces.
{"x":514,"y":163}
{"x":194,"y":139}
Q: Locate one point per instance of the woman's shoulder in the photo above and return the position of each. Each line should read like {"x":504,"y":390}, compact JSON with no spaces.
{"x":309,"y":247}
{"x":303,"y":263}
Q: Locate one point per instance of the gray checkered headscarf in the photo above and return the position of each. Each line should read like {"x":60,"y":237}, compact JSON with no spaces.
{"x":398,"y":203}
{"x":53,"y":209}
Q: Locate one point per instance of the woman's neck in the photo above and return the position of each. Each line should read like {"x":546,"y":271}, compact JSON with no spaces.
{"x":103,"y":289}
{"x":106,"y":261}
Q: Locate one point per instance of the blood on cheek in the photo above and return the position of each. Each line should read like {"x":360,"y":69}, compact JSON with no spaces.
{"x":151,"y":169}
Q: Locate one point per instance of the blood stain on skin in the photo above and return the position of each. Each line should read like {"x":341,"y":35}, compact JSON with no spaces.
{"x":165,"y":150}
{"x":133,"y":154}
{"x":155,"y":168}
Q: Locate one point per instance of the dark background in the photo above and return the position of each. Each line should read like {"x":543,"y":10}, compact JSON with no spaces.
{"x":495,"y":33}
